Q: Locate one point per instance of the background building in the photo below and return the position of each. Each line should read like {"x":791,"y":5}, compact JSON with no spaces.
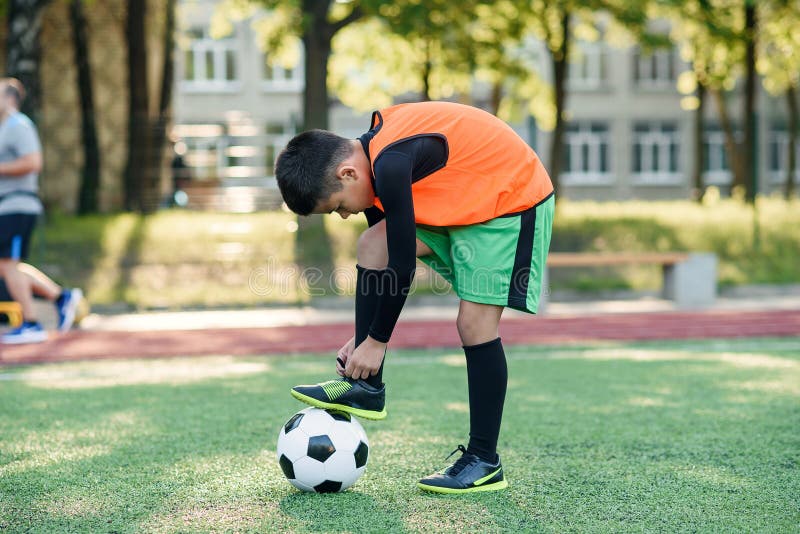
{"x":627,"y":137}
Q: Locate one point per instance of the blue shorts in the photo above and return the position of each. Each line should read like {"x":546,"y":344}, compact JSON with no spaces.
{"x":15,"y":235}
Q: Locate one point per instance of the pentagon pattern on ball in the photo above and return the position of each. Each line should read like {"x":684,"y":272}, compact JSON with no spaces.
{"x":286,"y":466}
{"x":293,"y":423}
{"x":322,"y":451}
{"x":361,"y":454}
{"x":329,"y":486}
{"x":320,"y":448}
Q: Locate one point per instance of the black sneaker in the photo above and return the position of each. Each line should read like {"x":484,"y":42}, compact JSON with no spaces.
{"x":468,"y":474}
{"x":347,"y":395}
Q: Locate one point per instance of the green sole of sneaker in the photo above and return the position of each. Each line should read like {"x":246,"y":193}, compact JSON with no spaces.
{"x":503,"y":484}
{"x":365,"y":414}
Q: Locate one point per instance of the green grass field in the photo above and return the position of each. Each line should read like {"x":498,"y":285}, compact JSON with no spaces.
{"x":180,"y":259}
{"x":666,"y":437}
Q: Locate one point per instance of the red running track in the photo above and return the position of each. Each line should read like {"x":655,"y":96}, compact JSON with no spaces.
{"x":85,"y":345}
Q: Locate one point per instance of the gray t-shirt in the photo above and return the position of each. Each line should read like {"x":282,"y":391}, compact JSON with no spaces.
{"x":18,"y":138}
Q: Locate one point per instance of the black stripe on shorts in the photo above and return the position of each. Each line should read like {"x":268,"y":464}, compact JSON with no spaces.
{"x":518,"y":289}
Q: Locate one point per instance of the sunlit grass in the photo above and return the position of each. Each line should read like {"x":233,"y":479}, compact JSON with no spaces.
{"x":667,"y":436}
{"x":176,"y":259}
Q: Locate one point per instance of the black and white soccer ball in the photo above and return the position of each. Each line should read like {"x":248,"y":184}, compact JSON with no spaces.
{"x":322,"y":450}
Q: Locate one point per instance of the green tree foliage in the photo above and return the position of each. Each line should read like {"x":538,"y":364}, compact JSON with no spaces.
{"x":718,"y":38}
{"x":779,"y":65}
{"x":558,"y":24}
{"x":438,"y":59}
{"x":728,"y":41}
{"x":283,"y":24}
{"x":314,"y":23}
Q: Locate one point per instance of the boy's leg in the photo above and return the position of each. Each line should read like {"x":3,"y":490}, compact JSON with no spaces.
{"x":479,"y":468}
{"x":487,"y":375}
{"x":19,"y":287}
{"x":15,"y":233}
{"x":66,"y":301}
{"x":41,"y":284}
{"x":368,"y":287}
{"x":373,"y":258}
{"x":364,"y":398}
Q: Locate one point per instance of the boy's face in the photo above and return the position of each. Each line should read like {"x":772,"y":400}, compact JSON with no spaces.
{"x":356,"y":195}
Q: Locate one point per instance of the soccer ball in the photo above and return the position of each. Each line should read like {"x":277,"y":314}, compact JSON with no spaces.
{"x":322,"y":450}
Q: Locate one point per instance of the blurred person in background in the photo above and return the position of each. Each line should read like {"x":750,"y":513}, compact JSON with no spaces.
{"x":20,"y":207}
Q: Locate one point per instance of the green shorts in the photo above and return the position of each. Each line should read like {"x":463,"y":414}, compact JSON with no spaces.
{"x":500,"y":261}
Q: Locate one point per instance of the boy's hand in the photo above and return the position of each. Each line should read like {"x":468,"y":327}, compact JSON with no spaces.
{"x":343,"y":355}
{"x":365,"y":360}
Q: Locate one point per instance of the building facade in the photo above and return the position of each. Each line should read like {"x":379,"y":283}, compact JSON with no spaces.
{"x":628,"y":135}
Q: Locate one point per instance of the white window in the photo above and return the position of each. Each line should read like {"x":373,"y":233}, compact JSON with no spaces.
{"x":210,"y":64}
{"x":779,"y":156}
{"x":278,"y":135}
{"x":278,"y":78}
{"x":656,"y":153}
{"x":587,"y":149}
{"x":588,"y":69}
{"x":715,"y":158}
{"x":654,"y":69}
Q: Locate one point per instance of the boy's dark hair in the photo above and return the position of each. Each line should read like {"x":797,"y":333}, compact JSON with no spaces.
{"x":14,"y":88}
{"x":306,"y":169}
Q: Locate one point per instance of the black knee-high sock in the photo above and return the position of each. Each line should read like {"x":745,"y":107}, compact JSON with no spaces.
{"x":368,"y":291}
{"x":487,"y":376}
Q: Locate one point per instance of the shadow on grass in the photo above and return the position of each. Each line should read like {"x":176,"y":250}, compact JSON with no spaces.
{"x":68,"y":248}
{"x":313,"y":252}
{"x":504,"y":513}
{"x":131,"y":256}
{"x":330,"y":511}
{"x":95,"y":252}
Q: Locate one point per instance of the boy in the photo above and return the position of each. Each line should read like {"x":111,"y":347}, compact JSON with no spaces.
{"x":456,"y":187}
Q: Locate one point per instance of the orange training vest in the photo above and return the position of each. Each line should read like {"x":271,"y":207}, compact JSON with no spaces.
{"x":490,"y":171}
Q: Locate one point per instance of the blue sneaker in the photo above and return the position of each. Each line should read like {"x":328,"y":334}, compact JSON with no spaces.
{"x":27,"y":333}
{"x":67,"y":305}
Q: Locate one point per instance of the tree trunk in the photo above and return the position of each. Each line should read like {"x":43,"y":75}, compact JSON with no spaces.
{"x":313,"y":248}
{"x":426,"y":73}
{"x":497,"y":96}
{"x":136,"y":169}
{"x":749,"y":163}
{"x":731,"y":146}
{"x":560,"y":63}
{"x":794,"y":124}
{"x":699,"y":153}
{"x":24,"y":51}
{"x":317,"y":40}
{"x":88,"y":195}
{"x":159,"y":143}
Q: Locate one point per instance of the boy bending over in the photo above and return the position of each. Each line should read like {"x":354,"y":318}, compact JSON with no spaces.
{"x":458,"y":188}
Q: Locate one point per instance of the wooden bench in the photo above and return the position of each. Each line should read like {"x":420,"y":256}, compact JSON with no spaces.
{"x":231,"y":199}
{"x":690,"y":278}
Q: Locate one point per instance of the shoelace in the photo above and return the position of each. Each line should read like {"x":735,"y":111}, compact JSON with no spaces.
{"x":465,"y":460}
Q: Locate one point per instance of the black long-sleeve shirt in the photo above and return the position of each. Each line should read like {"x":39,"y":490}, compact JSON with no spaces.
{"x":395,"y":170}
